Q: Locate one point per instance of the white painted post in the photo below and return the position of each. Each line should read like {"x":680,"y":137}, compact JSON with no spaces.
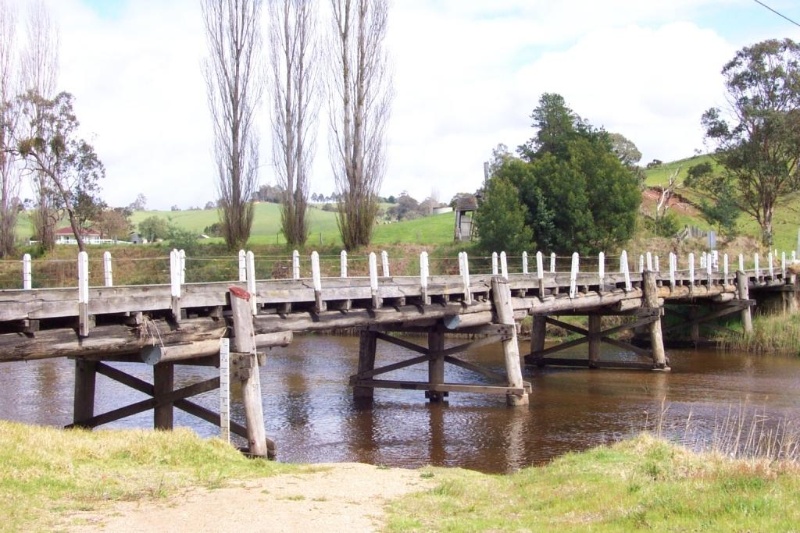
{"x":703,"y":260}
{"x":573,"y":275}
{"x":741,"y":262}
{"x":725,"y":269}
{"x":673,"y":266}
{"x":641,"y":263}
{"x":251,"y":281}
{"x":715,"y":260}
{"x":623,"y":267}
{"x":83,"y":294}
{"x":539,"y":265}
{"x":295,"y":265}
{"x":182,"y":263}
{"x":552,"y":262}
{"x":601,"y":269}
{"x":503,"y":265}
{"x":494,"y":264}
{"x":757,"y":269}
{"x":525,"y":263}
{"x":691,"y":269}
{"x":656,"y":265}
{"x":708,"y":269}
{"x":771,"y":267}
{"x":464,"y":268}
{"x":343,"y":263}
{"x":373,"y":279}
{"x":649,"y":262}
{"x":783,"y":265}
{"x":423,"y":276}
{"x":794,"y":256}
{"x":225,"y":389}
{"x":316,"y":277}
{"x":242,"y":265}
{"x":108,"y":275}
{"x":27,"y":272}
{"x":385,"y":263}
{"x":174,"y":274}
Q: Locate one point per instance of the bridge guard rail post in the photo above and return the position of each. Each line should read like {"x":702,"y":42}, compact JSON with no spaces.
{"x":743,"y":292}
{"x":246,"y":364}
{"x":501,"y":298}
{"x":650,"y":300}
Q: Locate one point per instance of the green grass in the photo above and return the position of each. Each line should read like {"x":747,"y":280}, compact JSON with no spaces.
{"x":46,"y":473}
{"x":642,"y":484}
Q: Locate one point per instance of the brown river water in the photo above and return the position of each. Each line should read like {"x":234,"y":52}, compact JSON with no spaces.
{"x":310,"y":414}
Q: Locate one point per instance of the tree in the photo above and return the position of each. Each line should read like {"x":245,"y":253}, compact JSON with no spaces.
{"x":10,"y":178}
{"x":577,"y":194}
{"x":140,"y":204}
{"x":757,"y":139}
{"x":233,"y":81}
{"x":625,"y":150}
{"x":360,"y":93}
{"x":153,"y":228}
{"x":294,"y":109}
{"x":51,"y":148}
{"x":39,"y":75}
{"x":501,"y":219}
{"x":113,"y":223}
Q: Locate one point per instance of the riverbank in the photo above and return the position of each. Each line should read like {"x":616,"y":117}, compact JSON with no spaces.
{"x":140,"y":480}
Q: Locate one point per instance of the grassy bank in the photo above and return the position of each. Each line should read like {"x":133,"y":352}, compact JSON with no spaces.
{"x":778,"y":333}
{"x":46,"y":473}
{"x":642,"y":484}
{"x":645,"y":483}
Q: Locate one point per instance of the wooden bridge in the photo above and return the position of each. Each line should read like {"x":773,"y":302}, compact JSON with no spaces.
{"x":225,"y":323}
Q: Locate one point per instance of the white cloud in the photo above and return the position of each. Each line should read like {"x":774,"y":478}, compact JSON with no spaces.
{"x":467,"y":75}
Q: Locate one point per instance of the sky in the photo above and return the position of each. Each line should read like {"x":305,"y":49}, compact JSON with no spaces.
{"x":467,"y":75}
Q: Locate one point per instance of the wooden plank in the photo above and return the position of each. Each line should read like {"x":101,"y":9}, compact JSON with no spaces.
{"x":485,"y":372}
{"x":446,"y":387}
{"x":388,"y":368}
{"x":401,"y":343}
{"x":597,"y":364}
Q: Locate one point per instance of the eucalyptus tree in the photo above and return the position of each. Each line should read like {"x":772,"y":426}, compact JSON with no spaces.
{"x":757,"y":137}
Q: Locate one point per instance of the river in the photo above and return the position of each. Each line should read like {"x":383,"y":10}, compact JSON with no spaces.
{"x":708,"y":396}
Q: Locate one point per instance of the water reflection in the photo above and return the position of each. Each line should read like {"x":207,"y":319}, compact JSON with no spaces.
{"x":310,"y":412}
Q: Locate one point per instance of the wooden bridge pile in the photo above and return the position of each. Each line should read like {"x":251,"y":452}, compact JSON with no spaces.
{"x":181,"y":323}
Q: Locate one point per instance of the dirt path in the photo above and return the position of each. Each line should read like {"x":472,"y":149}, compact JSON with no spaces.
{"x":343,"y":497}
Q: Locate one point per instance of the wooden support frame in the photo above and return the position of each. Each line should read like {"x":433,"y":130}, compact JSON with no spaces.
{"x":540,"y":357}
{"x":693,"y":321}
{"x":436,"y":356}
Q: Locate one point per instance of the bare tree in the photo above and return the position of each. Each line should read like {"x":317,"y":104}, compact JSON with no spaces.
{"x":294,"y":108}
{"x":10,"y":177}
{"x":360,"y":92}
{"x":233,"y":80}
{"x":39,"y":74}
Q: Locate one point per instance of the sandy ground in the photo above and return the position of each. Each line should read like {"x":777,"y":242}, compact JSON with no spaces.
{"x":342,"y":497}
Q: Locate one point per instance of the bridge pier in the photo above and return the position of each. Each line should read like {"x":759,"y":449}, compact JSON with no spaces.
{"x":85,"y":384}
{"x":163,"y":384}
{"x":436,"y":365}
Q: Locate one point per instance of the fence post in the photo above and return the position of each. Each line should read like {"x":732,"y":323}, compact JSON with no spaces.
{"x":463,"y":263}
{"x":650,"y":261}
{"x":251,"y":281}
{"x":573,"y":275}
{"x":641,"y":263}
{"x":343,"y":264}
{"x":494,"y":264}
{"x":691,"y":271}
{"x":373,"y":280}
{"x":182,"y":263}
{"x":83,"y":294}
{"x":295,"y":265}
{"x":423,"y":277}
{"x":623,"y":266}
{"x":108,"y":275}
{"x":540,"y":273}
{"x":503,"y":265}
{"x":741,"y":262}
{"x":725,"y":270}
{"x":525,"y":263}
{"x":385,"y":263}
{"x":601,"y":270}
{"x":673,"y":266}
{"x":317,"y":279}
{"x":771,"y":267}
{"x":552,"y":262}
{"x":27,"y":272}
{"x":242,"y":265}
{"x":175,"y":283}
{"x":757,"y":269}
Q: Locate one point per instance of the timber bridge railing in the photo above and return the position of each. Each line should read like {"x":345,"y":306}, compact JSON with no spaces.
{"x":225,"y":323}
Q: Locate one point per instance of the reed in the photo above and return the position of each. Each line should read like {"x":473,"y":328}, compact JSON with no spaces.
{"x":778,"y":333}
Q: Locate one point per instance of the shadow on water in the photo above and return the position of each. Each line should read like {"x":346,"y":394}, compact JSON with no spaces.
{"x":311,"y":415}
